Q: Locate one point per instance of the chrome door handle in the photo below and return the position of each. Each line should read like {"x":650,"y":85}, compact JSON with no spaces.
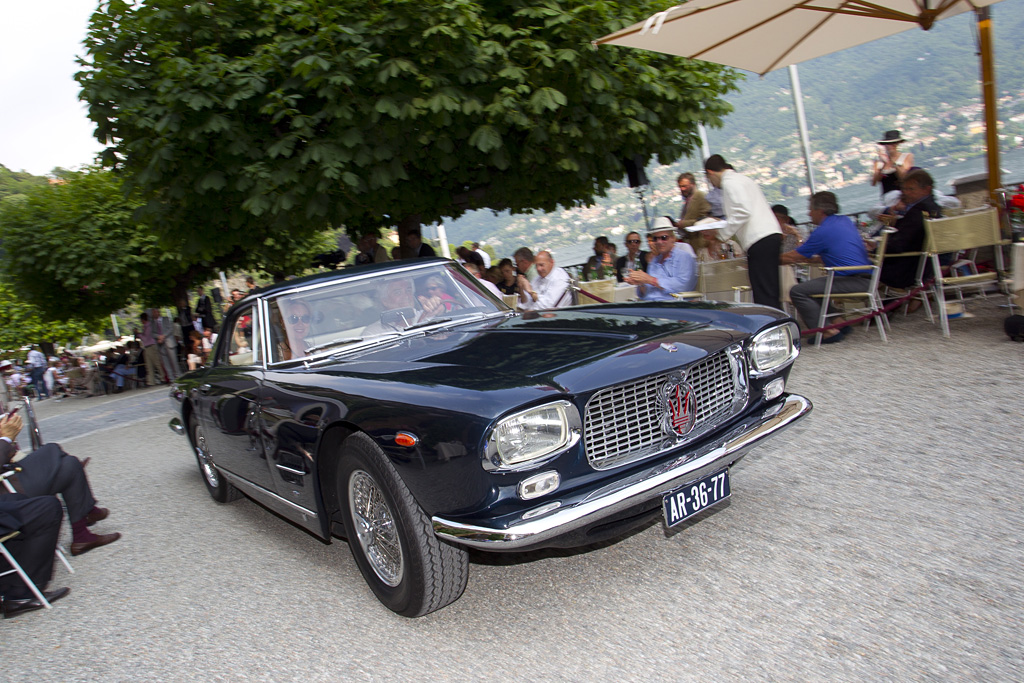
{"x":205,"y":388}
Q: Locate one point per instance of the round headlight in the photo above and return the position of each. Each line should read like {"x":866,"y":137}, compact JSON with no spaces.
{"x":773,"y":349}
{"x":532,"y":434}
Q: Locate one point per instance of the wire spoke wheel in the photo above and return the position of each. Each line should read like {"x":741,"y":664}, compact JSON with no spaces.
{"x":375,"y":528}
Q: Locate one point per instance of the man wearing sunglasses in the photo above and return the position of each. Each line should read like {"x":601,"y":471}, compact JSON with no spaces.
{"x":634,"y":258}
{"x":673,"y":268}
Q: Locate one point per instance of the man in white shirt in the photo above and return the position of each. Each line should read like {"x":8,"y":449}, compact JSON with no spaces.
{"x":750,"y":221}
{"x":550,"y":289}
{"x":483,"y":255}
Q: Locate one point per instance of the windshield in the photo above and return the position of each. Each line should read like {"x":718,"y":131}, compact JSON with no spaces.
{"x":353,"y":310}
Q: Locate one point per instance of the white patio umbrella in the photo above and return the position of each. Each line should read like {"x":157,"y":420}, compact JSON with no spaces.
{"x":764,"y":35}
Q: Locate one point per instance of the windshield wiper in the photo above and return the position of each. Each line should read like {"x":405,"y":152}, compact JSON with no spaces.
{"x":334,"y":342}
{"x":427,"y":323}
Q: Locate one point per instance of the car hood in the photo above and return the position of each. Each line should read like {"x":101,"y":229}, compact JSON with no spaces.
{"x":568,"y":350}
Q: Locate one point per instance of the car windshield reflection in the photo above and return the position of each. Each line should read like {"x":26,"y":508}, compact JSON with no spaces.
{"x":351,"y":312}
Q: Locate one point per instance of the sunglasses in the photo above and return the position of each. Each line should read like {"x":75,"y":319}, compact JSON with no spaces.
{"x":296,"y":318}
{"x":661,"y":238}
{"x":632,"y":241}
{"x":432,"y":288}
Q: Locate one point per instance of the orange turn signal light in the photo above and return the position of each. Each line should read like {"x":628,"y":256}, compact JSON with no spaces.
{"x":406,"y":439}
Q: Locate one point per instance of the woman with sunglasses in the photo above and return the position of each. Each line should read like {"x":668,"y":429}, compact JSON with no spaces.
{"x":633,"y":259}
{"x":297,"y":318}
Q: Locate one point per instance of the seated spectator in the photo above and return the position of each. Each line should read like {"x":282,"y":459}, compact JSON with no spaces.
{"x":673,"y":267}
{"x":633,"y":259}
{"x":508,"y":283}
{"x":50,"y":471}
{"x":37,"y":520}
{"x":369,"y":250}
{"x":194,"y":350}
{"x":791,"y":235}
{"x":835,"y":242}
{"x":524,"y":259}
{"x":592,"y":268}
{"x":475,"y":265}
{"x":550,"y":289}
{"x":901,"y":273}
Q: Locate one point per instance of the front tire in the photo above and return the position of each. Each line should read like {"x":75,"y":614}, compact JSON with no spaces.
{"x":407,"y":567}
{"x":219,"y":488}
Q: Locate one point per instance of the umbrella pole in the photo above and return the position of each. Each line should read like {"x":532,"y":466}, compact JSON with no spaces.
{"x":801,"y":122}
{"x":988,"y":92}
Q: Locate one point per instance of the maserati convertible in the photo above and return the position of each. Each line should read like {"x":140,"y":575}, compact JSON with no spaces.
{"x":404,"y":408}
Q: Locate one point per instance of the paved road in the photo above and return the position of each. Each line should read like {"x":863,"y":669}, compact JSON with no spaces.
{"x":880,"y":540}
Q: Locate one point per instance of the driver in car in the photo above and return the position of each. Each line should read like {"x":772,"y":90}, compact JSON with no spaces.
{"x":398,"y":305}
{"x":297,"y":318}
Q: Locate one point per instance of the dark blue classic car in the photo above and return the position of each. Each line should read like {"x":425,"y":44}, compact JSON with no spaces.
{"x":403,"y":407}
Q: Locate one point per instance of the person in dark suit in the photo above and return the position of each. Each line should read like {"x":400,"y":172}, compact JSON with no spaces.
{"x":901,"y":272}
{"x":37,"y":521}
{"x":50,"y":471}
{"x":417,"y":246}
{"x":633,"y":259}
{"x":204,"y":310}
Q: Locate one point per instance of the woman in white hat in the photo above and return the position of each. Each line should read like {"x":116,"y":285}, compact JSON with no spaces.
{"x":891,"y":165}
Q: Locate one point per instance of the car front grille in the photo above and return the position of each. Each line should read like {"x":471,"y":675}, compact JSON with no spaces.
{"x":628,"y":422}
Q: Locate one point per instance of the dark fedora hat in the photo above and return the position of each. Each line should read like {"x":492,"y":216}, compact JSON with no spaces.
{"x":892,"y":137}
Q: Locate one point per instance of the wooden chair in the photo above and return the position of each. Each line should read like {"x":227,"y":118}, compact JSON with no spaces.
{"x":963,"y":236}
{"x":869,"y":300}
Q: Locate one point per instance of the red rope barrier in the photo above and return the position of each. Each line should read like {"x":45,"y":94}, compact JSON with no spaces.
{"x":874,"y":314}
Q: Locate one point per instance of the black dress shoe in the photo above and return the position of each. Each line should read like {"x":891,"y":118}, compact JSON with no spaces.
{"x":12,"y":608}
{"x":86,"y":546}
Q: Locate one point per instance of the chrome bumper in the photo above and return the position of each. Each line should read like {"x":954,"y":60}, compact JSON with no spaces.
{"x":623,"y":494}
{"x":176,"y":426}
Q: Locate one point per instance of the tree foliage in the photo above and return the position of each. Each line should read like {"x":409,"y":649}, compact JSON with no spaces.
{"x":21,"y":323}
{"x":76,"y":250}
{"x":246,"y":119}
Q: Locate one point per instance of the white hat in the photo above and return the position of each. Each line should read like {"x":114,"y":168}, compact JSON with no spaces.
{"x":662,"y":223}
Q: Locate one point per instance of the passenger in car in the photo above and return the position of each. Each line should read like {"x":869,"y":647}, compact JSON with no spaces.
{"x":399,"y":308}
{"x":297,"y":318}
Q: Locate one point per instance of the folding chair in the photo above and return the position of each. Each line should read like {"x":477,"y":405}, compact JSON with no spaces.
{"x":963,"y":236}
{"x":16,"y":569}
{"x":871,"y":300}
{"x":4,"y":477}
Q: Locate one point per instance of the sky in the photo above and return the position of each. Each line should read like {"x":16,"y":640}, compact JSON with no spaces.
{"x":42,"y":123}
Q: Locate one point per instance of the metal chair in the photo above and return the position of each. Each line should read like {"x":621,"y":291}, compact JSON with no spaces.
{"x":871,"y":300}
{"x":963,"y":236}
{"x":5,"y":477}
{"x":16,"y":569}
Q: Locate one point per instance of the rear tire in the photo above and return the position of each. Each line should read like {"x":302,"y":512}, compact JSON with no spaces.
{"x":218,"y":486}
{"x":407,"y":567}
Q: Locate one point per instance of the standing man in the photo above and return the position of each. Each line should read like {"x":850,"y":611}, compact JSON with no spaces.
{"x":168,"y":334}
{"x":370,"y":251}
{"x":749,"y":219}
{"x":550,"y":289}
{"x":204,"y":309}
{"x":483,"y":255}
{"x":695,"y":204}
{"x":634,"y":259}
{"x":838,"y":242}
{"x":419,"y":248}
{"x":673,"y":267}
{"x":150,"y":348}
{"x":37,"y":368}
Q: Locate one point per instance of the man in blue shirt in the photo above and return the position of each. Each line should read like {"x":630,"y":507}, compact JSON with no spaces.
{"x":671,"y":268}
{"x":835,"y":242}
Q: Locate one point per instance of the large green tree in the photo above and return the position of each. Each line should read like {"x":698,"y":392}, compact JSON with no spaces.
{"x":75,"y":249}
{"x":21,"y":323}
{"x":244,"y":119}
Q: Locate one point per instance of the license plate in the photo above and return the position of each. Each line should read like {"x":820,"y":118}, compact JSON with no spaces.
{"x":696,"y":496}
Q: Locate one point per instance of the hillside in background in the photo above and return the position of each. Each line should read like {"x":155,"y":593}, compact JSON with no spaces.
{"x":924,"y":83}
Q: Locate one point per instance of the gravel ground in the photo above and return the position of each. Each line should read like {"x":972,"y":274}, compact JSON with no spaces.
{"x":878,"y":540}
